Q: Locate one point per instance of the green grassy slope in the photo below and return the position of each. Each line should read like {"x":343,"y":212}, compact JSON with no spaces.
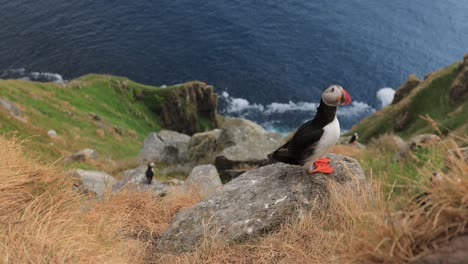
{"x":430,"y":97}
{"x":125,"y":109}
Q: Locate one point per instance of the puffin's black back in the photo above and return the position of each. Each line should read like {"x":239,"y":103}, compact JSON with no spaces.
{"x":302,"y":144}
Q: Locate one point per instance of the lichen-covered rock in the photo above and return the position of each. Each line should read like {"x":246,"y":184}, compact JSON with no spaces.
{"x":243,"y":142}
{"x":94,"y":181}
{"x":454,"y":251}
{"x":406,"y":88}
{"x":204,"y":179}
{"x":257,"y":202}
{"x":167,"y":146}
{"x":202,"y":147}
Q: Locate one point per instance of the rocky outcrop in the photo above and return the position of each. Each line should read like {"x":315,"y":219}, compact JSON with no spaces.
{"x":417,"y":142}
{"x":454,"y":251}
{"x":459,"y":89}
{"x":244,"y":143}
{"x":204,"y":179}
{"x":166,"y":146}
{"x":83,"y":155}
{"x":188,"y":108}
{"x":94,"y":181}
{"x":406,"y":88}
{"x":257,"y":202}
{"x":203,"y":147}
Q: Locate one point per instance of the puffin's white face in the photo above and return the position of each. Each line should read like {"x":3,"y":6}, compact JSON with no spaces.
{"x":335,"y":95}
{"x":152,"y":165}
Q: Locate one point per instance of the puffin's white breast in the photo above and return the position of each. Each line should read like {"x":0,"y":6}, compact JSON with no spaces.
{"x":331,"y":134}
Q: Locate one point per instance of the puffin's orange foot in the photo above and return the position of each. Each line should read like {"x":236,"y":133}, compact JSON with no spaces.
{"x":322,"y":165}
{"x":327,"y":169}
{"x":322,"y":161}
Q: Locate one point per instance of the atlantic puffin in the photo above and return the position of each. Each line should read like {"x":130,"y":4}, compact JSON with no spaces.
{"x":354,"y":138}
{"x":316,"y":136}
{"x":150,"y":173}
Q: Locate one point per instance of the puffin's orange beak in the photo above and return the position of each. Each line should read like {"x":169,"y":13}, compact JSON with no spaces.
{"x":345,"y":98}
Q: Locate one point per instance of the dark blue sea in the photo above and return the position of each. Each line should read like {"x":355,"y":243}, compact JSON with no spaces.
{"x":269,"y":60}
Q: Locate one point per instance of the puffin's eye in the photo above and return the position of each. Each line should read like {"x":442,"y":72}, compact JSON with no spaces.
{"x":333,"y":90}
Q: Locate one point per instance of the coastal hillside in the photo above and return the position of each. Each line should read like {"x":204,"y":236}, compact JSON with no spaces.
{"x":107,"y":113}
{"x":441,"y":96}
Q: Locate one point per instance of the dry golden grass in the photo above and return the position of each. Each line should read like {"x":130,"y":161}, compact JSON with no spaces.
{"x":43,"y":220}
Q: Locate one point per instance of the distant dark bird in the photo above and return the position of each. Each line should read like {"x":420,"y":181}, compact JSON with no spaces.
{"x":316,"y":136}
{"x":150,"y":173}
{"x":353,"y":139}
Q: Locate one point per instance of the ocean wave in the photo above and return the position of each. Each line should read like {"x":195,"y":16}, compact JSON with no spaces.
{"x":285,"y":117}
{"x":22,"y":74}
{"x":385,"y":96}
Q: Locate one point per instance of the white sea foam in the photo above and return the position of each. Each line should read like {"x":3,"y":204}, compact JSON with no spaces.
{"x":355,"y":109}
{"x":281,"y":108}
{"x":385,"y":96}
{"x":22,"y":74}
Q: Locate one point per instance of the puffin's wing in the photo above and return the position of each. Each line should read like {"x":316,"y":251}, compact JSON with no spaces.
{"x":304,"y":139}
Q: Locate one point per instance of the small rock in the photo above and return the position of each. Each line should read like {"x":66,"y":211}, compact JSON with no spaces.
{"x":52,"y":133}
{"x":94,"y":181}
{"x":455,"y":155}
{"x":95,"y":117}
{"x":11,"y":107}
{"x":205,"y":179}
{"x":83,"y":155}
{"x":454,"y":251}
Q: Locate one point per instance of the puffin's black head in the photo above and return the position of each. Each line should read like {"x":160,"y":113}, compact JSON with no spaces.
{"x":335,"y":95}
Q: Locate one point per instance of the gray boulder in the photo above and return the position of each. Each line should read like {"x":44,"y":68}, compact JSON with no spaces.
{"x":454,"y":251}
{"x":243,"y":142}
{"x":166,"y":146}
{"x":257,"y":202}
{"x":83,"y":155}
{"x":94,"y":181}
{"x":52,"y":133}
{"x":11,"y":107}
{"x":202,"y":147}
{"x":204,"y":178}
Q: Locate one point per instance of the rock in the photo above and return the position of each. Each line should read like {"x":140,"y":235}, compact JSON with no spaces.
{"x":177,"y":169}
{"x":11,"y":107}
{"x":94,"y":117}
{"x":52,"y":133}
{"x":188,"y":108}
{"x":243,"y":142}
{"x":459,"y":89}
{"x":203,"y":178}
{"x":94,"y":181}
{"x":136,"y":178}
{"x":119,"y":130}
{"x":257,"y":202}
{"x":83,"y":155}
{"x":166,"y":146}
{"x":406,"y":88}
{"x":203,"y":147}
{"x":417,"y":142}
{"x":454,"y":251}
{"x":455,"y":155}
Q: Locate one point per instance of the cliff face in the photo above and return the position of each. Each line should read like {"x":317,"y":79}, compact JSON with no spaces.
{"x":188,"y":108}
